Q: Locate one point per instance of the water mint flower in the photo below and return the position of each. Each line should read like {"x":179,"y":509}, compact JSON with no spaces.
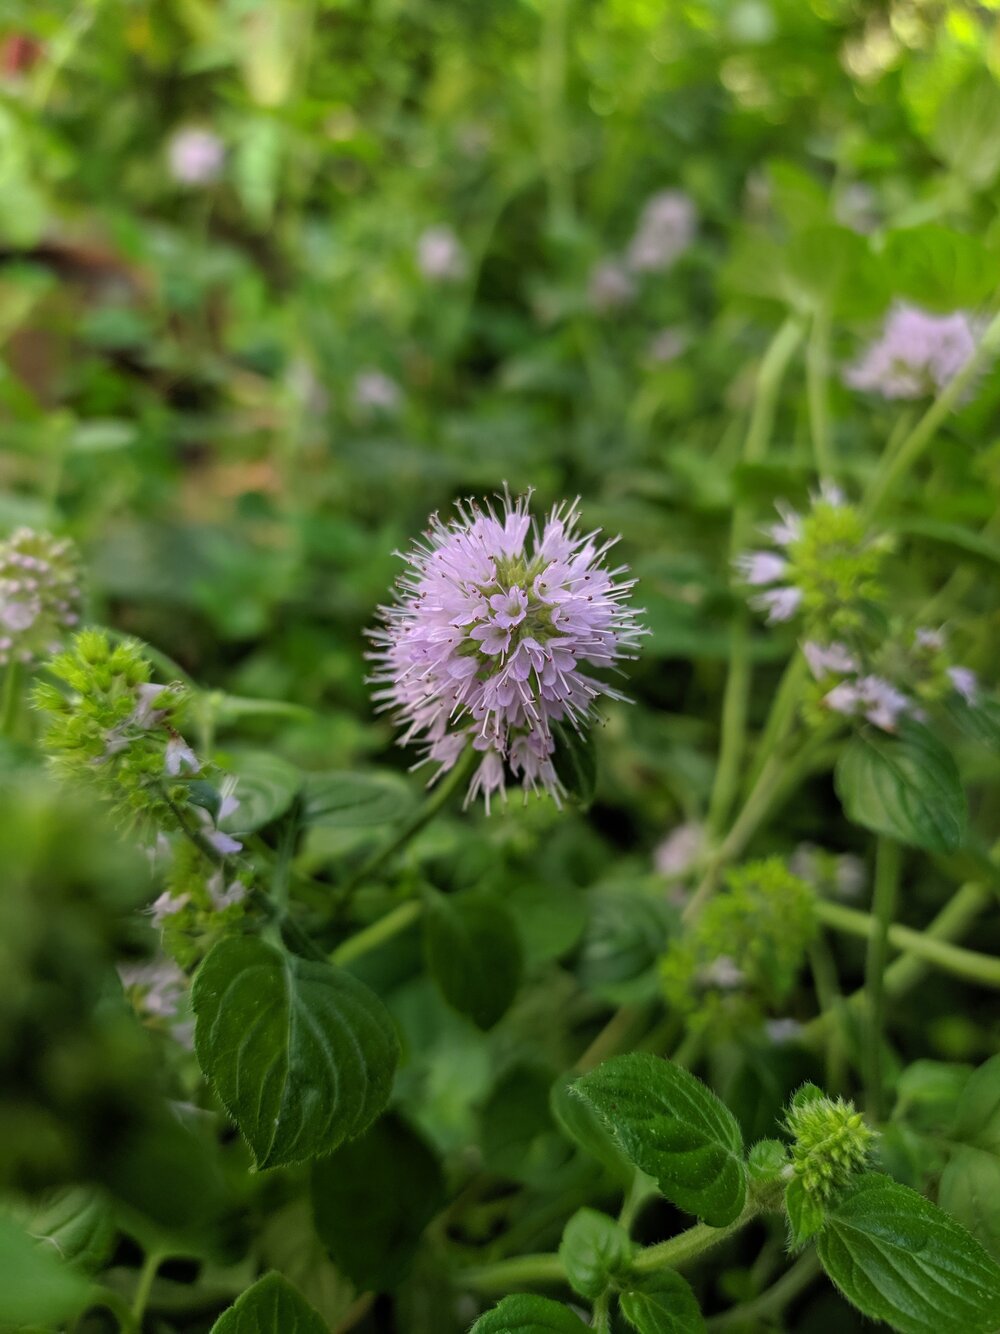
{"x":826,"y":569}
{"x":834,"y":659}
{"x":916,"y":355}
{"x":39,"y":595}
{"x":831,"y":1141}
{"x":496,"y":635}
{"x":610,"y":287}
{"x":375,"y":393}
{"x":440,"y":255}
{"x":680,"y":850}
{"x":195,"y":156}
{"x":965,"y":681}
{"x":666,"y":228}
{"x":873,"y":698}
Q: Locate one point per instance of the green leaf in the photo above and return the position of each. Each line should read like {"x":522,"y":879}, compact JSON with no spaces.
{"x":900,"y":1259}
{"x":906,"y":787}
{"x":265,"y":787}
{"x":343,"y":800}
{"x":625,"y":937}
{"x":941,"y":270}
{"x":767,"y":1160}
{"x":529,"y":1315}
{"x":473,"y":952}
{"x":517,"y":1135}
{"x":664,"y":1304}
{"x":372,"y":1200}
{"x":302,"y":1054}
{"x":35,"y":1287}
{"x":271,"y":1306}
{"x":575,"y":761}
{"x":969,"y":1190}
{"x":288,"y":1243}
{"x":78,"y":1224}
{"x":594,"y":1249}
{"x":579,"y":1121}
{"x":980,"y":721}
{"x":672,"y":1126}
{"x":966,"y":130}
{"x":977,"y":1116}
{"x":805,"y":1212}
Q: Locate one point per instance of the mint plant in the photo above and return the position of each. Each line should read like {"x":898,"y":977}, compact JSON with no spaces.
{"x":499,"y":713}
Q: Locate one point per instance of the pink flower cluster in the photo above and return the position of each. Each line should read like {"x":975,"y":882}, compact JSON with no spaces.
{"x":916,"y":355}
{"x":492,"y":637}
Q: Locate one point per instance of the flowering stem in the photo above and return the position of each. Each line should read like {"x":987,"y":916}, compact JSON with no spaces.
{"x":888,"y":860}
{"x":969,"y":965}
{"x":11,"y":699}
{"x":601,"y":1321}
{"x":421,"y":817}
{"x":734,"y":702}
{"x":894,"y":467}
{"x":817,"y":370}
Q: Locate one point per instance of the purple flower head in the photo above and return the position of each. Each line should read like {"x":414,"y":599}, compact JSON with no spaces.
{"x":965,"y":682}
{"x":916,"y":355}
{"x":494,"y":636}
{"x":667,"y":226}
{"x":441,"y":256}
{"x":610,"y":287}
{"x":196,"y":156}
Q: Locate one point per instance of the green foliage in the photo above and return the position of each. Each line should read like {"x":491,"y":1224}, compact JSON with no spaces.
{"x":898,"y":1259}
{"x":272,"y":1304}
{"x":672,"y":1126}
{"x":528,"y":1315}
{"x":302,"y":1054}
{"x":373,"y":1198}
{"x":35,"y":1287}
{"x":906,"y":787}
{"x":594,"y":1250}
{"x":664,"y":1304}
{"x":473,"y":953}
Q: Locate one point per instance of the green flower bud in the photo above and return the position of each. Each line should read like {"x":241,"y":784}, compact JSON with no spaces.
{"x":39,"y":595}
{"x":831,"y":1141}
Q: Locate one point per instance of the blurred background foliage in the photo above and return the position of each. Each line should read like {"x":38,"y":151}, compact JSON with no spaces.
{"x":241,"y":385}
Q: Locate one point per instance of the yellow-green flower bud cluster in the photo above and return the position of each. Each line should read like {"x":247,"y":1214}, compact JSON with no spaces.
{"x":740,"y":958}
{"x":831,"y":1141}
{"x":39,"y":595}
{"x":113,"y":730}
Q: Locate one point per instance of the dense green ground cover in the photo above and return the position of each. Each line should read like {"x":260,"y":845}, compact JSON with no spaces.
{"x":282,"y":278}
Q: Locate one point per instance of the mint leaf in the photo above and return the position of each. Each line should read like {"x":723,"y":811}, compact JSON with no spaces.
{"x":664,"y":1304}
{"x":270,"y":1306}
{"x":672,"y":1126}
{"x":906,"y":787}
{"x":77,"y":1224}
{"x":35,"y":1287}
{"x":343,"y":800}
{"x":265,"y":786}
{"x":900,"y":1259}
{"x":575,"y":761}
{"x":473,"y":953}
{"x":805,"y":1212}
{"x":529,"y":1315}
{"x":302,"y":1054}
{"x":594,"y":1249}
{"x":970,"y":1184}
{"x":579,"y":1121}
{"x":372,"y":1200}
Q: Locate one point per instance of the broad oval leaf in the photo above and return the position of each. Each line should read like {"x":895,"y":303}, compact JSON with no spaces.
{"x":473,"y":953}
{"x":594,"y":1249}
{"x":900,"y":1259}
{"x":664,"y":1304}
{"x":78,"y":1224}
{"x":35,"y":1287}
{"x":301,"y":1053}
{"x":672,"y":1126}
{"x":529,"y":1315}
{"x":372,"y":1200}
{"x":271,"y":1306}
{"x":578,"y":1120}
{"x":344,"y":800}
{"x":265,"y":786}
{"x":906,"y":787}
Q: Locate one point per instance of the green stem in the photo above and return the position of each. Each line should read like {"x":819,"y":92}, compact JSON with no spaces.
{"x":10,"y":709}
{"x":526,"y":1270}
{"x":902,"y":974}
{"x":378,"y":933}
{"x":119,"y":1308}
{"x":895,"y":466}
{"x":737,"y":691}
{"x":817,"y":372}
{"x":438,"y":799}
{"x":771,"y":1303}
{"x":144,"y":1286}
{"x":827,"y":984}
{"x":601,"y":1320}
{"x":888,"y":861}
{"x":969,"y":965}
